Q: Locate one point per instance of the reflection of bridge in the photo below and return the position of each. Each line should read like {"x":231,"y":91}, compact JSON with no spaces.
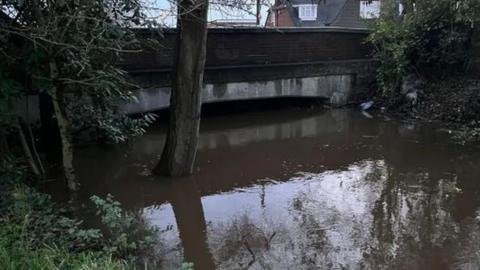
{"x":330,"y":63}
{"x":235,"y":154}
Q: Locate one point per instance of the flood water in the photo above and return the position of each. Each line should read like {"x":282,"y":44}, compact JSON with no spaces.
{"x":304,"y":189}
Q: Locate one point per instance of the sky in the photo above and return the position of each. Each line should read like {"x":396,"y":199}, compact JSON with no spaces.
{"x":164,"y":11}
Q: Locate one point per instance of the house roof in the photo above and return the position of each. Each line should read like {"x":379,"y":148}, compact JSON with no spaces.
{"x":329,"y":12}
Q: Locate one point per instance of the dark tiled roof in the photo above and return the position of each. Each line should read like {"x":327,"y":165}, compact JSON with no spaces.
{"x":330,"y":13}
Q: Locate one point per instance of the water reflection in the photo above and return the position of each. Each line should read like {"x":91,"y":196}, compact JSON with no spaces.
{"x":305,"y":190}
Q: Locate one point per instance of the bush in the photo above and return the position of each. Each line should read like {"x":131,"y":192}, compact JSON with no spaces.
{"x":430,"y":39}
{"x":129,"y":235}
{"x":41,"y":220}
{"x":36,"y":233}
{"x":18,"y":254}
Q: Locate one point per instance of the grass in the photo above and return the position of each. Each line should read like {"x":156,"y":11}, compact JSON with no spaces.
{"x":17,"y":252}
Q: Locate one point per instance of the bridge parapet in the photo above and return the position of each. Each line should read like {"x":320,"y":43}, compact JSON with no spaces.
{"x":236,"y":47}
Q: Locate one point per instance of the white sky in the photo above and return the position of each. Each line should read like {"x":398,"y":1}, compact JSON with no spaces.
{"x":164,"y":10}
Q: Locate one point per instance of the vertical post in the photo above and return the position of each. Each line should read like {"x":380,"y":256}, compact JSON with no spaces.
{"x":258,"y":12}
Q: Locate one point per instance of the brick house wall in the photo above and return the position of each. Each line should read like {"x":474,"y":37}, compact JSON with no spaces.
{"x":279,"y":17}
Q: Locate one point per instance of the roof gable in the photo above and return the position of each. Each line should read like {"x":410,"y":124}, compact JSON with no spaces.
{"x":327,"y":10}
{"x":345,"y":13}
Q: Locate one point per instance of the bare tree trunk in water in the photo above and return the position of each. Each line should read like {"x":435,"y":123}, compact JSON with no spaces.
{"x":64,"y":129}
{"x":180,"y":148}
{"x":26,"y":150}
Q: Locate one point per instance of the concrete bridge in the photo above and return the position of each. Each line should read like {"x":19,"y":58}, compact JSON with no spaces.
{"x":330,"y":63}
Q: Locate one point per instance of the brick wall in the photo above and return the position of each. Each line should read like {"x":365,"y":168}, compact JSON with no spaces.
{"x":279,"y":17}
{"x":283,"y":18}
{"x":256,"y":47}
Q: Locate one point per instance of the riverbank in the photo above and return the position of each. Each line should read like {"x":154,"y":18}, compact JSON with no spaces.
{"x":38,"y":233}
{"x":453,"y":102}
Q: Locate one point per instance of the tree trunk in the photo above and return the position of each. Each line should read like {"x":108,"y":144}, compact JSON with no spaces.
{"x":180,"y":148}
{"x":26,"y":150}
{"x":64,"y":128}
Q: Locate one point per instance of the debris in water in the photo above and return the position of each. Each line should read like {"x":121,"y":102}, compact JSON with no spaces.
{"x":366,"y":105}
{"x":367,"y":115}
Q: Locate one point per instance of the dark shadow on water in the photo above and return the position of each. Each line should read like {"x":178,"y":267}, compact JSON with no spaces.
{"x":236,"y":107}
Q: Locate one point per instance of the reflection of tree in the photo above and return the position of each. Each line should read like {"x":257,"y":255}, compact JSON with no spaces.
{"x":334,"y":234}
{"x":467,"y":248}
{"x":409,"y":217}
{"x":312,"y":245}
{"x":412,"y":224}
{"x":245,"y":244}
{"x":370,"y":216}
{"x":314,"y":235}
{"x":191,"y":224}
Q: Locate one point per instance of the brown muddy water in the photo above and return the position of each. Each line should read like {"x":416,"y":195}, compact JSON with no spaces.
{"x":304,"y":189}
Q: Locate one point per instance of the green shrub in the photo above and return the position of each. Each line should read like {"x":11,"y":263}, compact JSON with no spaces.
{"x":16,"y":253}
{"x":187,"y":266}
{"x":431,"y":39}
{"x":129,"y":235}
{"x":36,"y":233}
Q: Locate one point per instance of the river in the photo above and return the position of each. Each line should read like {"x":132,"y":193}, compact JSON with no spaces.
{"x":303,"y":189}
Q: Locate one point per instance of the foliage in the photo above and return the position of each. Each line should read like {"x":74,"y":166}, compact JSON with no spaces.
{"x":70,"y":51}
{"x":42,"y":221}
{"x":454,"y":101}
{"x":36,"y":233}
{"x":393,"y":44}
{"x":187,"y":266}
{"x":9,"y":90}
{"x":128,"y":232}
{"x":85,"y":39}
{"x":431,"y":39}
{"x":108,"y":124}
{"x":17,"y":252}
{"x":11,"y":172}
